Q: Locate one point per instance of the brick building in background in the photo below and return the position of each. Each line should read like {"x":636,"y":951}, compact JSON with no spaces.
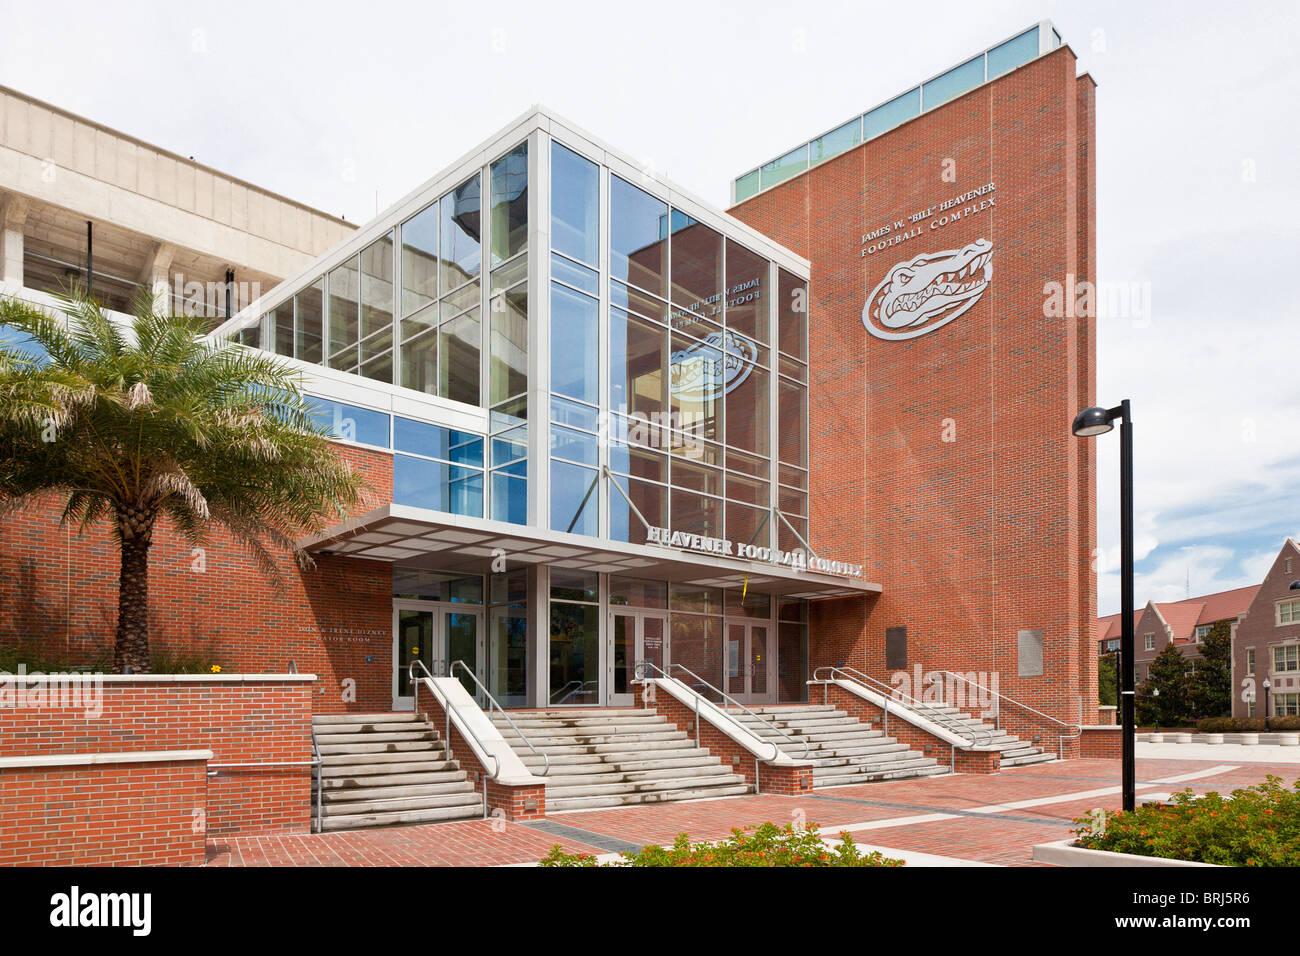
{"x":1267,"y":642}
{"x":943,"y":456}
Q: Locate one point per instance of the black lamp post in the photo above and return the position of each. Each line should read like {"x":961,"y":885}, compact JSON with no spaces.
{"x":1098,"y":421}
{"x":1267,"y":725}
{"x":1155,"y":692}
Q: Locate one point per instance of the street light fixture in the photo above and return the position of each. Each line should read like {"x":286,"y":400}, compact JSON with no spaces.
{"x":1155,"y":692}
{"x":1088,"y":423}
{"x":1267,"y":725}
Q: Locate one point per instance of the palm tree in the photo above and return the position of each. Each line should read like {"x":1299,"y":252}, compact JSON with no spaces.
{"x":130,"y":424}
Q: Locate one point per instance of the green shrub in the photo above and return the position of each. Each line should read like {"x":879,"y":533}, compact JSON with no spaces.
{"x":1220,"y":725}
{"x":1254,"y":826}
{"x":766,"y":845}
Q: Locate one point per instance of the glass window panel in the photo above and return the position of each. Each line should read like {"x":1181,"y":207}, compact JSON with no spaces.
{"x":281,"y":326}
{"x":697,"y":266}
{"x":377,"y":286}
{"x":574,"y":445}
{"x":458,"y":357}
{"x":575,"y":501}
{"x":509,"y":498}
{"x":695,"y":387}
{"x":1007,"y":56}
{"x":510,"y":446}
{"x":638,"y":225}
{"x":574,"y":654}
{"x":575,"y":205}
{"x":695,"y":513}
{"x":638,"y":365}
{"x":344,"y":295}
{"x":753,"y":491}
{"x":792,"y":315}
{"x":574,"y":414}
{"x":460,"y":234}
{"x":509,"y":414}
{"x":792,"y":502}
{"x":697,"y":477}
{"x":466,"y":297}
{"x":512,"y":273}
{"x":791,"y":164}
{"x":747,"y":185}
{"x":418,"y":585}
{"x":836,"y":141}
{"x":420,"y":260}
{"x":309,"y":304}
{"x":420,"y":353}
{"x":435,"y":441}
{"x":792,"y":427}
{"x":953,"y":83}
{"x":438,"y":486}
{"x":689,"y":445}
{"x":510,"y":203}
{"x":637,"y":592}
{"x":747,"y":464}
{"x":748,"y":409}
{"x":379,"y":368}
{"x":792,"y":662}
{"x":696,"y":326}
{"x":794,"y":477}
{"x":638,"y":462}
{"x":575,"y":338}
{"x":746,"y":303}
{"x":350,"y":423}
{"x":509,"y":365}
{"x":570,"y":585}
{"x":793,"y":368}
{"x":570,"y":273}
{"x":688,"y":597}
{"x":634,"y":300}
{"x":696,"y":644}
{"x":747,"y":604}
{"x":792,"y":609}
{"x":380,"y":343}
{"x":747,"y":524}
{"x":651,"y":501}
{"x":888,"y":115}
{"x":250,"y":335}
{"x":786,"y":539}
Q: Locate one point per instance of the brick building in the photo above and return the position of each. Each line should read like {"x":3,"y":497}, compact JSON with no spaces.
{"x":604,"y":422}
{"x":1267,"y":642}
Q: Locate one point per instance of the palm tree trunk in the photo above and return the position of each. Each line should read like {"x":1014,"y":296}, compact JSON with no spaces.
{"x":131,"y":644}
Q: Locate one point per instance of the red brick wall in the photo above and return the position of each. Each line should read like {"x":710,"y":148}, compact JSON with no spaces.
{"x":240,"y":722}
{"x":121,"y":814}
{"x":59,"y":592}
{"x":978,"y":537}
{"x":1259,"y":630}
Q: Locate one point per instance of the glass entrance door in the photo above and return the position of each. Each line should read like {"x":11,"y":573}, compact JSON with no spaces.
{"x":633,"y":636}
{"x":749,"y":671}
{"x":436,"y":635}
{"x":508,"y":656}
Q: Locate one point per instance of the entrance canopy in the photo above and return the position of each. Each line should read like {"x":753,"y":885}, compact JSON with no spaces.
{"x":416,"y":537}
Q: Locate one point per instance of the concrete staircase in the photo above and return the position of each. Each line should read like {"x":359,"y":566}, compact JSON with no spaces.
{"x":610,"y":758}
{"x":385,"y":769}
{"x":1015,"y":752}
{"x":841,"y":749}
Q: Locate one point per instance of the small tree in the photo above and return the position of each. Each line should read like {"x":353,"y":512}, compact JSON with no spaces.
{"x":1210,"y":686}
{"x":1168,"y":674}
{"x":131,"y":425}
{"x":1107,"y":681}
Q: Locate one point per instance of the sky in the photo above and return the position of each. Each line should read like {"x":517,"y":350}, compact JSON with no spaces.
{"x":347,"y":107}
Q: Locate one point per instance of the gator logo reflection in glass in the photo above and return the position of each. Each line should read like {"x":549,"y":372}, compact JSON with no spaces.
{"x":713,"y":367}
{"x":929,"y":291}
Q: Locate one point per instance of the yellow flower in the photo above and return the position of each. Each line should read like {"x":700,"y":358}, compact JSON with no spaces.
{"x":216,"y":668}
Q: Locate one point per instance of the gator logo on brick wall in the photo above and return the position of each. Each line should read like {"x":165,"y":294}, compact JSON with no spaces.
{"x":929,"y":291}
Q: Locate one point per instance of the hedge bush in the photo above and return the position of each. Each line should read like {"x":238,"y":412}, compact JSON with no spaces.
{"x":1254,"y":826}
{"x":1219,"y":725}
{"x":766,"y":845}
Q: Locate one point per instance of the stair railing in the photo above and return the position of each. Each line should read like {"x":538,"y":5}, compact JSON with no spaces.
{"x":473,"y":738}
{"x":642,"y":669}
{"x":928,"y":711}
{"x":493,"y":703}
{"x":1075,"y":730}
{"x":573,"y":687}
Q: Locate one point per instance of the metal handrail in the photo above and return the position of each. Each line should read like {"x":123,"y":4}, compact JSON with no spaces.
{"x":318,"y":772}
{"x":943,"y":720}
{"x":446,"y":710}
{"x":493,"y":702}
{"x":578,"y":687}
{"x":638,"y":671}
{"x":1077,"y":729}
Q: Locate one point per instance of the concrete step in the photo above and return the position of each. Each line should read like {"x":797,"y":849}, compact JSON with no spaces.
{"x":435,"y":781}
{"x":469,"y":798}
{"x":722,"y":776}
{"x":334,"y":720}
{"x":357,"y":821}
{"x":627,"y":799}
{"x":392,"y":747}
{"x":375,"y":736}
{"x":381,"y":764}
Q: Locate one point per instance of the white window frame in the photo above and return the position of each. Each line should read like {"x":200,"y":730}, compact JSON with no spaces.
{"x":1149,"y":642}
{"x":1286,"y":612}
{"x":1280,"y":663}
